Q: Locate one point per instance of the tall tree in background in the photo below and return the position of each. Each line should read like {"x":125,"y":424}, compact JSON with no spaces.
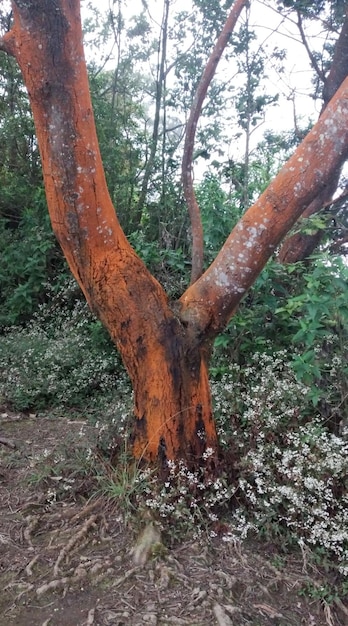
{"x":165,"y":345}
{"x":301,"y":245}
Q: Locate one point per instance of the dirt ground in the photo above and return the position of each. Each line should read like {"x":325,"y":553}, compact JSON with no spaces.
{"x":70,"y":561}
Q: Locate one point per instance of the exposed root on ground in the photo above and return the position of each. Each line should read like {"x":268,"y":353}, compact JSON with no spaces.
{"x":78,"y":538}
{"x":59,"y":540}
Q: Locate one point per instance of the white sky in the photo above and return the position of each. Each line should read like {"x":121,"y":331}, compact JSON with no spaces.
{"x":272,"y":30}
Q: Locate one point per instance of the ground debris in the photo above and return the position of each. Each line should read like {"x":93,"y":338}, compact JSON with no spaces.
{"x":149,"y":539}
{"x":8,"y":442}
{"x":221,"y":615}
{"x":73,"y":563}
{"x":268,"y":610}
{"x":90,"y":617}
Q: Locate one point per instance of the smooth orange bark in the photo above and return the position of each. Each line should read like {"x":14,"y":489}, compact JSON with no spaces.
{"x":254,"y":239}
{"x":165,"y":346}
{"x":170,"y":381}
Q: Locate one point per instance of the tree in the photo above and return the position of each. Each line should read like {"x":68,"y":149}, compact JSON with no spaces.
{"x":164,"y":345}
{"x":301,"y":245}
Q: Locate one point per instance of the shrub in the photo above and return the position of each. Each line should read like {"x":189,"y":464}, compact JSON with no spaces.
{"x":62,"y":358}
{"x":29,"y":258}
{"x":293,"y":472}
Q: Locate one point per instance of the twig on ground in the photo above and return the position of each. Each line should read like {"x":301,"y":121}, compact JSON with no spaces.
{"x":90,"y":617}
{"x":29,"y":567}
{"x":61,"y":583}
{"x":123,"y":578}
{"x":86,"y":510}
{"x":33,"y":522}
{"x":341,"y":606}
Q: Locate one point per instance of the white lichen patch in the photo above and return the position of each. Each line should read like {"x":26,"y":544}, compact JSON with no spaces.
{"x":297,"y":188}
{"x":253,"y":231}
{"x":222,"y":279}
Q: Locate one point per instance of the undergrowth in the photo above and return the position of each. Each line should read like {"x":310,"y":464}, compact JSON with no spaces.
{"x":61,"y":358}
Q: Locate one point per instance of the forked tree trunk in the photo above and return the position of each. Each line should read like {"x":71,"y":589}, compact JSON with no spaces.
{"x":165,"y":346}
{"x":167,"y":367}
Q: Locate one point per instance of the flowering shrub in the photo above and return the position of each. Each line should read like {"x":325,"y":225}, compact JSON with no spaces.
{"x":62,"y":358}
{"x":186,"y":501}
{"x":293,"y":472}
{"x":286,"y":459}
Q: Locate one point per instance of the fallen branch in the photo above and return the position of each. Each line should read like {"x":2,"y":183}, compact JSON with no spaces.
{"x":33,"y":522}
{"x":29,"y":567}
{"x":8,"y":442}
{"x":90,"y":617}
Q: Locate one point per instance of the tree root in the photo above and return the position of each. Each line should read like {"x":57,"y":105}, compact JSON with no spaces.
{"x":89,"y":523}
{"x":33,"y":522}
{"x":74,"y":531}
{"x":76,"y":575}
{"x":29,"y":567}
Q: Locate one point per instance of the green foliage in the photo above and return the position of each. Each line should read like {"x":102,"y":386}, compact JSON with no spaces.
{"x":311,"y":10}
{"x":20,"y":168}
{"x":120,"y":120}
{"x":169,"y":265}
{"x":29,"y":255}
{"x":218,"y":214}
{"x":65,"y":472}
{"x":62,"y":358}
{"x":29,"y":259}
{"x":304,"y":310}
{"x":125,"y":483}
{"x":251,"y":101}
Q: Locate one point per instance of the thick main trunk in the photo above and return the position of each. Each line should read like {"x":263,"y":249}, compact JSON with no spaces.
{"x":173,"y":402}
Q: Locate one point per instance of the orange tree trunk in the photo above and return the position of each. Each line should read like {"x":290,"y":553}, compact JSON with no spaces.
{"x":167,"y":367}
{"x":165,"y":346}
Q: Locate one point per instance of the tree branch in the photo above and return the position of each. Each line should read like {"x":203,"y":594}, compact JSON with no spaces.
{"x":298,"y":246}
{"x":311,"y":56}
{"x":162,"y":55}
{"x":339,"y":65}
{"x":336,"y":247}
{"x":187,"y":178}
{"x":213,"y":298}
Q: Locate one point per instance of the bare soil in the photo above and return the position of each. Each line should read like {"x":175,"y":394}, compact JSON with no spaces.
{"x":69,"y":562}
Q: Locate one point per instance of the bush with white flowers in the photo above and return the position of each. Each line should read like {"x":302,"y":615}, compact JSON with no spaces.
{"x":293,"y":472}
